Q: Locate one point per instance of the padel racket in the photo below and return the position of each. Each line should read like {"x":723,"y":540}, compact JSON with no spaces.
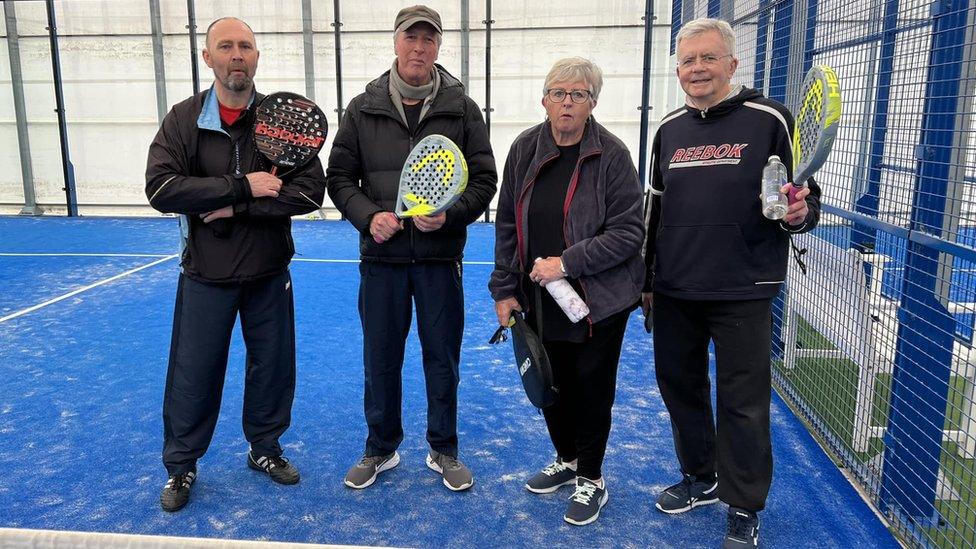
{"x":289,"y":130}
{"x":433,"y":178}
{"x":816,"y":124}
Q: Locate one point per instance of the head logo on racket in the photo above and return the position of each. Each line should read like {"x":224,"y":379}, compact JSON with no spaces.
{"x":433,"y":178}
{"x":816,"y":124}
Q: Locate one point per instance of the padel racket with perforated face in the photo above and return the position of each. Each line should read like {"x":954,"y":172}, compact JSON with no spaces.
{"x":289,"y":130}
{"x":433,"y":178}
{"x":816,"y":124}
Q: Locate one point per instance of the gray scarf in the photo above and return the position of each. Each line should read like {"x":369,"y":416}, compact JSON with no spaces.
{"x":400,"y":90}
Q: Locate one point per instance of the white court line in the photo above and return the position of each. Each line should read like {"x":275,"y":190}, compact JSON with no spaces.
{"x":86,"y":288}
{"x":78,"y":255}
{"x":357,"y":261}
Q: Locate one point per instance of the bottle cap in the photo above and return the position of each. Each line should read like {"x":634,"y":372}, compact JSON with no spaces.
{"x":776,"y":157}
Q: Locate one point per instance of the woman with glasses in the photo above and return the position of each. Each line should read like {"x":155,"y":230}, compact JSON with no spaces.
{"x":570,"y":207}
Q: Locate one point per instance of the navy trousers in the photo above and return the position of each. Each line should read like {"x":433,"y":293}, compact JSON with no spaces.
{"x":202,"y":325}
{"x":387,"y":295}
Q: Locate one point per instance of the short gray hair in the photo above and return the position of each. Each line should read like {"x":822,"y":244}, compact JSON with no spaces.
{"x":703,"y":25}
{"x":574,"y":69}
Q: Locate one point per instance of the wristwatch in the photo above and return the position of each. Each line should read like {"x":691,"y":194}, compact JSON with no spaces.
{"x":562,"y":268}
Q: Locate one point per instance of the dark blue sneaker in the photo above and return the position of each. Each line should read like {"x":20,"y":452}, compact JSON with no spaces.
{"x":686,"y":495}
{"x":586,"y":502}
{"x":551,"y":478}
{"x":743,"y":530}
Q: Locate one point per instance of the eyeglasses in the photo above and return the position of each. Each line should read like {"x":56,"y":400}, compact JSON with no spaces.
{"x":705,"y":59}
{"x":558,"y":95}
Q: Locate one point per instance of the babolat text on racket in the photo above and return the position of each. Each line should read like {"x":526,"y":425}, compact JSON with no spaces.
{"x":433,"y":178}
{"x":815,"y":125}
{"x":289,"y":130}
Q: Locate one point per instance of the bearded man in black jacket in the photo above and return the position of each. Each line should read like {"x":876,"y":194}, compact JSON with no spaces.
{"x":236,"y":228}
{"x":413,"y":261}
{"x":714,"y":265}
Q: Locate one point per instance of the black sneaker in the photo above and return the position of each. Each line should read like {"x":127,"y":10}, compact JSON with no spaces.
{"x":276,"y":467}
{"x":743,"y":529}
{"x":551,"y":478}
{"x":177,"y":491}
{"x":686,"y":495}
{"x":586,"y":502}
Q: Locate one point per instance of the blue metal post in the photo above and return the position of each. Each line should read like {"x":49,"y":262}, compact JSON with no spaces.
{"x":923,"y":359}
{"x":714,"y":8}
{"x":676,"y":22}
{"x":762,"y":29}
{"x":862,"y":236}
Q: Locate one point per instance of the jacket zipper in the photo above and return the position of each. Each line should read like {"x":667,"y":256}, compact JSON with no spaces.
{"x":569,"y":198}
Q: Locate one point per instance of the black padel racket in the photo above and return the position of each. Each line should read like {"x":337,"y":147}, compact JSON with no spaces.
{"x":433,"y":178}
{"x":289,"y":130}
{"x":816,"y":124}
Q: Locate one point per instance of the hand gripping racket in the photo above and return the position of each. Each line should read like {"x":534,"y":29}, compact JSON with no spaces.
{"x":433,"y":178}
{"x":289,"y":130}
{"x":816,"y":124}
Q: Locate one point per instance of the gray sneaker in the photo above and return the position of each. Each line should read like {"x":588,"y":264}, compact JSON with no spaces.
{"x":457,"y":477}
{"x":686,"y":495}
{"x":586,"y":502}
{"x":551,"y":478}
{"x":364,"y":473}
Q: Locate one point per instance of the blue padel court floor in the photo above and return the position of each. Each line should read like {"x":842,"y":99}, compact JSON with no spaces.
{"x":85,"y":320}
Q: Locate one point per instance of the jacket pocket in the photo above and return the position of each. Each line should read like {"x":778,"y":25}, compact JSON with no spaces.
{"x":704,"y":258}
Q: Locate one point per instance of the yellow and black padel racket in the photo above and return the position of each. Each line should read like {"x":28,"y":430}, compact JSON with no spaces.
{"x":433,"y":178}
{"x":816,"y":124}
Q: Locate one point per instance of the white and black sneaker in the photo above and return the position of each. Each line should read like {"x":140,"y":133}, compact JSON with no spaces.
{"x":687,"y":494}
{"x":742,"y":531}
{"x":276,"y":467}
{"x":176,"y":492}
{"x":552,"y":477}
{"x":586,"y":502}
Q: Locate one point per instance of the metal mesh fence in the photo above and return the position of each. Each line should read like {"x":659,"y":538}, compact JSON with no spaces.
{"x":875,"y":344}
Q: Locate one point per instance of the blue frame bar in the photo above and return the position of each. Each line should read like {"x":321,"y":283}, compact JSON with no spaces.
{"x":923,"y":359}
{"x":780,"y":60}
{"x":714,"y":8}
{"x":762,"y":28}
{"x":863,"y":236}
{"x":676,"y":11}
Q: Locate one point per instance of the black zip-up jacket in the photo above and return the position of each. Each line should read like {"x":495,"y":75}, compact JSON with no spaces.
{"x":196,"y":166}
{"x":368,"y":155}
{"x":707,"y":237}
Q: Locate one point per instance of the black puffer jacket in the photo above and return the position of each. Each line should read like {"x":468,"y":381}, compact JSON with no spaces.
{"x":368,"y":154}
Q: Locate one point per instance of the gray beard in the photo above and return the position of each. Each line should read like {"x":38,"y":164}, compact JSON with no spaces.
{"x":238,"y":84}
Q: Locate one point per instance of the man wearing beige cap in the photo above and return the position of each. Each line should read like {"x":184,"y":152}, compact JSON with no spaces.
{"x":414,"y":262}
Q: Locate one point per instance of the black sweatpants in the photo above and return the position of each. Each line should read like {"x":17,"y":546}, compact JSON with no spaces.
{"x":202,"y":326}
{"x":586,"y":376}
{"x":387,"y":294}
{"x":738,"y":447}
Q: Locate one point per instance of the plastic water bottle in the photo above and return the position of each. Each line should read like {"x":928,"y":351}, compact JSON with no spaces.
{"x":774,"y":203}
{"x":567,"y":299}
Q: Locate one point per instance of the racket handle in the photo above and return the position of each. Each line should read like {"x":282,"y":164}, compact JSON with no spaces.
{"x":794,"y":188}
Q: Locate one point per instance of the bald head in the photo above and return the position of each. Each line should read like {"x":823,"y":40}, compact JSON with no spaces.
{"x":226,"y":23}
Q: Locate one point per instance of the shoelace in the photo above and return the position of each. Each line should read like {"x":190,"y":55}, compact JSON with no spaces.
{"x":554,"y":468}
{"x":740,"y":525}
{"x":277,"y":461}
{"x":371,"y":460}
{"x":178,"y":481}
{"x":448,"y":463}
{"x":584,"y":492}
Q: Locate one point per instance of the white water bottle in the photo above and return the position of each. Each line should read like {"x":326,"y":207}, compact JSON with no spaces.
{"x":567,"y":299}
{"x":774,"y":203}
